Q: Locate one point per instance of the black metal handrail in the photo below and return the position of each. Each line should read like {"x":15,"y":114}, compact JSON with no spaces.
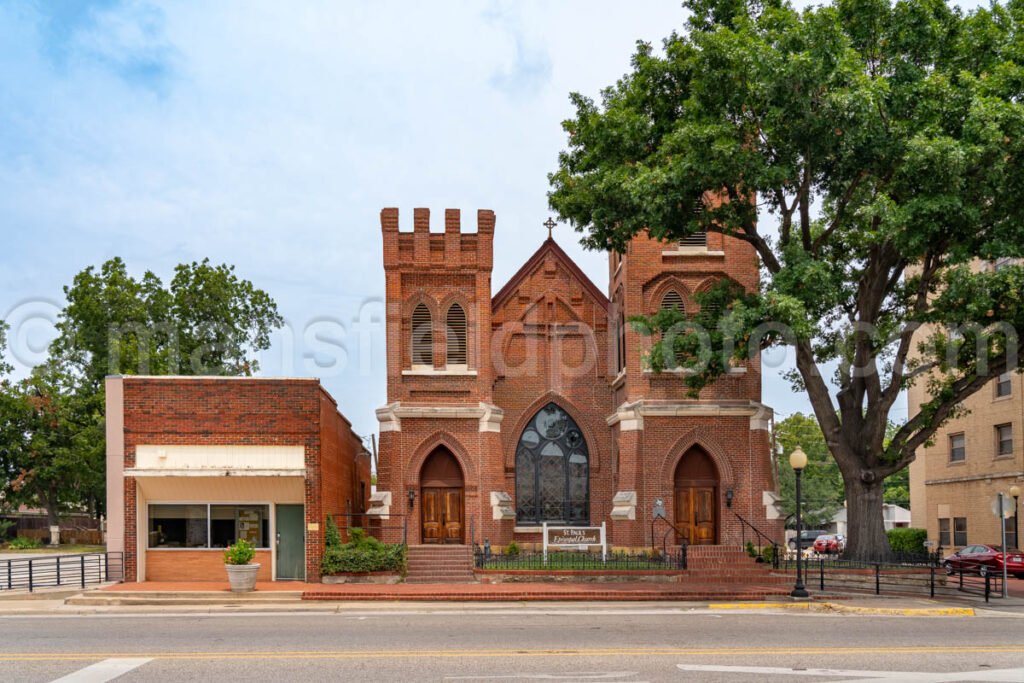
{"x":51,"y":571}
{"x":763,"y":539}
{"x":373,"y":526}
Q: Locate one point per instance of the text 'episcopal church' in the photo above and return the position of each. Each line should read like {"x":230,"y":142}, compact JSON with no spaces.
{"x":533,"y":404}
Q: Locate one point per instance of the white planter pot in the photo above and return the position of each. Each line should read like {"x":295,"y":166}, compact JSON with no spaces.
{"x":242,"y":577}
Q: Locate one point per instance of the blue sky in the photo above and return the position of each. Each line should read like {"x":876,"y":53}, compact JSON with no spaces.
{"x":269,"y":135}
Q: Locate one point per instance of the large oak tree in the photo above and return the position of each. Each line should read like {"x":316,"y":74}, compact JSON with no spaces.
{"x":884,"y":141}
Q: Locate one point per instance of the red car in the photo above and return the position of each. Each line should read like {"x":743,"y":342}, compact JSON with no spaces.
{"x":984,"y":560}
{"x":828,"y":543}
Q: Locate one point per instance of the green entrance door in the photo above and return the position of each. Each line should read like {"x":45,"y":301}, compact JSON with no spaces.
{"x":291,"y":543}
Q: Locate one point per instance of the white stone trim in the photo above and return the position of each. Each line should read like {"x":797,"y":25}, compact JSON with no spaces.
{"x":213,"y":472}
{"x":450,"y":371}
{"x":630,"y":416}
{"x":380,"y":505}
{"x":490,"y":416}
{"x":501,"y":506}
{"x":693,"y":251}
{"x":624,"y":505}
{"x":739,"y":370}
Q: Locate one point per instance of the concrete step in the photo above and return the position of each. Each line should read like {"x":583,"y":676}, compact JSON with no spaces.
{"x":128,"y":598}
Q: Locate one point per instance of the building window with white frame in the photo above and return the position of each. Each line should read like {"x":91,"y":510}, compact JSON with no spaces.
{"x":944,"y":533}
{"x":1004,"y":385}
{"x":957,"y":447}
{"x":1004,"y":440}
{"x":959,"y":531}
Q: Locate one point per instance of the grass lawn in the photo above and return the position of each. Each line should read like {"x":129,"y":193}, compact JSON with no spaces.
{"x":70,"y":549}
{"x":579,"y":561}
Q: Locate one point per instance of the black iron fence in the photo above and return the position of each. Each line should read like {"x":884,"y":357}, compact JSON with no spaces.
{"x":898,"y":574}
{"x":581,"y":561}
{"x":51,"y":571}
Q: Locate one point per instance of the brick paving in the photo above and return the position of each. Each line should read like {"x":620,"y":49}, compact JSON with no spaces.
{"x":514,"y":592}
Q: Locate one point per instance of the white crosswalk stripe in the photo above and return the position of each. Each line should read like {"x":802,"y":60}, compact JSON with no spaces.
{"x":107,"y":670}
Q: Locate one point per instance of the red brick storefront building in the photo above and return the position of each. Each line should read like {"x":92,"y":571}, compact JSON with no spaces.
{"x":533,"y":404}
{"x":195,"y":463}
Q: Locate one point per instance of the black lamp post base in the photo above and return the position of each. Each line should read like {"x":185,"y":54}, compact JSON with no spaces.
{"x":800,"y":593}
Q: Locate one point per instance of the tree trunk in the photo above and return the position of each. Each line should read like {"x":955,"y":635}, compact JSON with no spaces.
{"x":52,"y":516}
{"x":866,"y":538}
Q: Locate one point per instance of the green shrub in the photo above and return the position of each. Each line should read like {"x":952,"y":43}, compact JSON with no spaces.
{"x":751,"y":550}
{"x":768,"y":554}
{"x":512,"y":548}
{"x":24,"y":543}
{"x":5,"y":526}
{"x":241,"y":552}
{"x":907,"y":540}
{"x":332,"y":537}
{"x":363,"y":554}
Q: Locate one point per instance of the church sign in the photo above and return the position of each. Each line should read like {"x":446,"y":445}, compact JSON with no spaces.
{"x":576,"y":537}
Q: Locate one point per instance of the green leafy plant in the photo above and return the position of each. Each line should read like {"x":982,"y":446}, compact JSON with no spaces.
{"x":512,"y":548}
{"x":332,"y":537}
{"x":5,"y":526}
{"x":751,"y":550}
{"x":907,"y":540}
{"x":768,"y":554}
{"x":241,"y":552}
{"x":24,"y":543}
{"x":363,"y":554}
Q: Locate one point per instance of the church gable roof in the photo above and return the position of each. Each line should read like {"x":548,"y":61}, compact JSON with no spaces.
{"x":548,"y":248}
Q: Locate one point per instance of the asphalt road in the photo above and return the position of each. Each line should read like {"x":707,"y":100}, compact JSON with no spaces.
{"x":580,"y":643}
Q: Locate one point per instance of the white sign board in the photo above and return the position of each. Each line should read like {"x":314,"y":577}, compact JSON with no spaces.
{"x":579,"y":537}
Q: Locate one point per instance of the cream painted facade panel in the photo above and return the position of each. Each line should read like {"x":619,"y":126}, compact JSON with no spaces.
{"x":223,"y":489}
{"x":220,"y":457}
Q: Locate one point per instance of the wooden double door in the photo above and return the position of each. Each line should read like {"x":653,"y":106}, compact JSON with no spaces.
{"x":443,"y":515}
{"x":696,"y":520}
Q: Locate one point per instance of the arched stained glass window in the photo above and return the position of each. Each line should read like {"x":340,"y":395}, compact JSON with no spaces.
{"x":552,"y":470}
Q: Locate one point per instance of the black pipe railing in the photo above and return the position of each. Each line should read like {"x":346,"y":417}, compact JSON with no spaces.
{"x":906,"y":574}
{"x":763,"y":539}
{"x":53,"y":571}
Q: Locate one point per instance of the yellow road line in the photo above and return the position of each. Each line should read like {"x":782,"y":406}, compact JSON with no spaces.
{"x":852,"y":609}
{"x":597,"y":652}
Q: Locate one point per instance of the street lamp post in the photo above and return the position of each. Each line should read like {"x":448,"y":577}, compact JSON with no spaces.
{"x":798,"y":461}
{"x":1015,"y":492}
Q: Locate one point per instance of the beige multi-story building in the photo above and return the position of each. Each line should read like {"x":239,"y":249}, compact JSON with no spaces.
{"x":972,"y":458}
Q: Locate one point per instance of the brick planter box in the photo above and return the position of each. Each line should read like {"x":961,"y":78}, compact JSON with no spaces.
{"x":363,"y":577}
{"x":578,"y":576}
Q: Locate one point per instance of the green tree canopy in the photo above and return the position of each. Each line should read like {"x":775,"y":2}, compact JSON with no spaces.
{"x":885,"y":141}
{"x":822,"y":485}
{"x":4,"y":366}
{"x":206,"y":322}
{"x":52,"y":439}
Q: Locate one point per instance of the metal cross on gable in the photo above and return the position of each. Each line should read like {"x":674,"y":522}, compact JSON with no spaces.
{"x":550,"y":225}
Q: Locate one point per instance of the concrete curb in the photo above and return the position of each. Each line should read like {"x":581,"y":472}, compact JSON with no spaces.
{"x":850,"y":609}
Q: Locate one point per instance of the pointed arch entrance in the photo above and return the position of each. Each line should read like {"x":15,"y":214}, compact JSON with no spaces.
{"x":696,"y":501}
{"x":552,"y":470}
{"x":442,"y":498}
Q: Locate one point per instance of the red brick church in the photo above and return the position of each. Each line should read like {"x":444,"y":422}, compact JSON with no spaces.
{"x":533,"y":404}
